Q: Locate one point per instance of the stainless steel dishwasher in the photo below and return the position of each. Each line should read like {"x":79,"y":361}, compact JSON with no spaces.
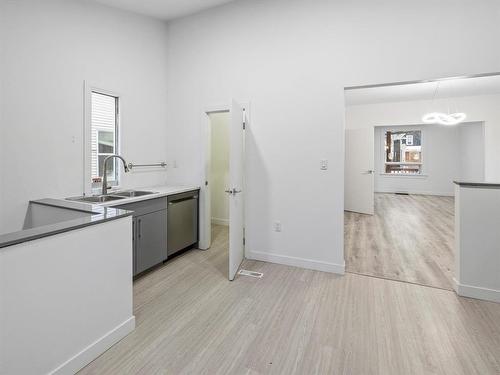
{"x":182,"y":221}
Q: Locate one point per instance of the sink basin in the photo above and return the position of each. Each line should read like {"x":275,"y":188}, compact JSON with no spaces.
{"x":97,"y":199}
{"x":112,"y":196}
{"x":132,"y":193}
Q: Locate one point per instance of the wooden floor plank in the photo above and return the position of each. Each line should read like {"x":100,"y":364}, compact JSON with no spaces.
{"x":192,"y":320}
{"x":410,"y":238}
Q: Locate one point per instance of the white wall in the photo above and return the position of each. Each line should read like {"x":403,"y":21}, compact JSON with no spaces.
{"x":291,"y":60}
{"x":49,"y":49}
{"x":471,"y":159}
{"x":482,"y":108}
{"x":65,"y":299}
{"x":449,"y":153}
{"x":219,"y":171}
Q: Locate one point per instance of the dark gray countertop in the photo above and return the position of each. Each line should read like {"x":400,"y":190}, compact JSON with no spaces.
{"x":47,"y":217}
{"x":478,"y":184}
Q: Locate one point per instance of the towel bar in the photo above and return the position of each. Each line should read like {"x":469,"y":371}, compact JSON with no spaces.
{"x":161,"y":164}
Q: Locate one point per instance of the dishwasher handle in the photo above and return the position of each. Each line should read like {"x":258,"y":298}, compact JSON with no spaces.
{"x":182,"y":200}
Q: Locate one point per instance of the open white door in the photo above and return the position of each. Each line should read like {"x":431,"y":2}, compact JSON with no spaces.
{"x":236,"y":201}
{"x":359,"y":170}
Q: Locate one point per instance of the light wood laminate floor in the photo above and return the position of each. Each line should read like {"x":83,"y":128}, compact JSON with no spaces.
{"x":410,"y":238}
{"x":192,"y":320}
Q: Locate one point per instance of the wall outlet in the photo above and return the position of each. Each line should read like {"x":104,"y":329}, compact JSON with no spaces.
{"x":323,"y":164}
{"x":277,"y":226}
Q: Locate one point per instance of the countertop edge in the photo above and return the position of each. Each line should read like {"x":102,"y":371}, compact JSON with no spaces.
{"x":477,"y":184}
{"x":95,"y":218}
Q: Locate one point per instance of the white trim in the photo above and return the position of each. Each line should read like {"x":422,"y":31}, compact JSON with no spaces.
{"x":214,"y":108}
{"x":218,"y":221}
{"x":402,"y":128}
{"x":477,"y":292}
{"x":436,"y":193}
{"x":297,"y":262}
{"x":94,"y":350}
{"x":399,"y":83}
{"x":88,"y":88}
{"x":205,"y":131}
{"x":205,"y":209}
{"x":407,"y":175}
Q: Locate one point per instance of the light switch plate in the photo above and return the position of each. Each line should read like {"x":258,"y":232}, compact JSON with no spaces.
{"x":323,"y":165}
{"x":277,"y":226}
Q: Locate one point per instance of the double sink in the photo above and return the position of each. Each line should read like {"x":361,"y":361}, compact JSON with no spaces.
{"x":112,"y":196}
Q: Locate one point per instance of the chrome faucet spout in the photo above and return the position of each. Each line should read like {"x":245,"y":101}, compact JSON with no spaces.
{"x":105,"y":173}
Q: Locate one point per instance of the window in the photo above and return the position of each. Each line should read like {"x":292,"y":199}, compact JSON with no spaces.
{"x":403,"y":152}
{"x":104,"y":135}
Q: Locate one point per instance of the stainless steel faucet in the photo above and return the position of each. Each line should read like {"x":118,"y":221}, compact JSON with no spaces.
{"x":105,"y":173}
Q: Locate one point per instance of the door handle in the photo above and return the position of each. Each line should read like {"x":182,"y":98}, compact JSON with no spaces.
{"x":232,"y":191}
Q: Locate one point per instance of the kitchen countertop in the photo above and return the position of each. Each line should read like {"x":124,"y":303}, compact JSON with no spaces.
{"x":478,"y":184}
{"x":61,"y":215}
{"x":159,"y":191}
{"x":52,"y":218}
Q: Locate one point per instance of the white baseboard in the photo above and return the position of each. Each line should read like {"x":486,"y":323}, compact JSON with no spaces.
{"x":437,"y":193}
{"x":477,"y":292}
{"x":218,"y":221}
{"x":296,"y":262}
{"x":94,"y":350}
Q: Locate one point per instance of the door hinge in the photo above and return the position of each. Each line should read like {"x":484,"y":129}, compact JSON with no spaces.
{"x":206,"y":183}
{"x":243,"y":240}
{"x":244,"y":125}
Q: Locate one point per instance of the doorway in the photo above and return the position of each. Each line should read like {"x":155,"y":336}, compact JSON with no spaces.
{"x":400,"y":169}
{"x":222,"y":193}
{"x":218,"y":180}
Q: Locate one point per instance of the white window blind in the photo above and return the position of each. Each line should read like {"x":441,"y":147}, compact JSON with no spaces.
{"x":103,"y":134}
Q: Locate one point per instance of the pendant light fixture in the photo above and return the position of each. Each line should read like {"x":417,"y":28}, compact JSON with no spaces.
{"x":441,"y":118}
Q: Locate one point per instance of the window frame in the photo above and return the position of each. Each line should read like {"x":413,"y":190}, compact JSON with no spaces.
{"x":403,"y":128}
{"x":87,"y":136}
{"x":113,"y":181}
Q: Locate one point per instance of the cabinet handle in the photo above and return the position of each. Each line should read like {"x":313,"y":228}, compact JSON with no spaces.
{"x":140,"y":228}
{"x":182,"y":200}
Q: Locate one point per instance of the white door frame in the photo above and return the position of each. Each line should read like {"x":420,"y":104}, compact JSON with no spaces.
{"x":205,"y":204}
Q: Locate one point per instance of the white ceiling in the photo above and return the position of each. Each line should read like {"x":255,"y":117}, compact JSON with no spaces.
{"x":164,"y":9}
{"x":424,"y":91}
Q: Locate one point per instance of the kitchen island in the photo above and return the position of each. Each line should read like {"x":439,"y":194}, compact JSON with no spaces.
{"x":477,"y":240}
{"x":65,"y":287}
